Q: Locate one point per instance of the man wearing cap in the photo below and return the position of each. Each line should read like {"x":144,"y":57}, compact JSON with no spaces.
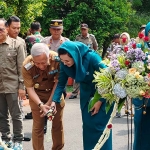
{"x":89,"y":40}
{"x":86,"y":38}
{"x":40,"y":73}
{"x":55,"y":40}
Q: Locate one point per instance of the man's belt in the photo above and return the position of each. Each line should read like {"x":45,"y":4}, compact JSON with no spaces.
{"x":42,"y":90}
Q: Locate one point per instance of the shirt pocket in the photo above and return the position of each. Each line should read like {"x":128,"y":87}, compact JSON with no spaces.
{"x":11,"y":57}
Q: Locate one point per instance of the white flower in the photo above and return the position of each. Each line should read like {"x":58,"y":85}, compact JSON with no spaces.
{"x":119,"y":91}
{"x":121,"y":74}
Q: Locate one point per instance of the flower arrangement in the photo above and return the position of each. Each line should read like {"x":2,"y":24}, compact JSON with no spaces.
{"x":127,"y":76}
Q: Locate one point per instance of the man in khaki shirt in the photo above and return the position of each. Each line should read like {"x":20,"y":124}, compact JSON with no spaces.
{"x":40,"y":73}
{"x":56,"y":39}
{"x":86,"y":38}
{"x":11,"y":87}
{"x":13,"y":27}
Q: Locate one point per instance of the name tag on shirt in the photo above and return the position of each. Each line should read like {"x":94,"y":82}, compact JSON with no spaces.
{"x":28,"y":66}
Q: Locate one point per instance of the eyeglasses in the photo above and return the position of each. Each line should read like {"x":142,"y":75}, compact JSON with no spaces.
{"x":2,"y":29}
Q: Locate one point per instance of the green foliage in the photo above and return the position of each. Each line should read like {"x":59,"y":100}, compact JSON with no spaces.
{"x":95,"y":99}
{"x":141,"y":5}
{"x":105,"y":18}
{"x":26,"y":10}
{"x":136,"y":20}
{"x":121,"y":103}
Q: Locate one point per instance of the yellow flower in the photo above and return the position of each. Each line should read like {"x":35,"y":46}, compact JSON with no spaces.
{"x":142,"y":93}
{"x":137,"y":75}
{"x":132,"y":70}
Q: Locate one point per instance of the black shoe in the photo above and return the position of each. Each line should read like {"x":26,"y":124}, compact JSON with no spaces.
{"x":28,"y":115}
{"x":72,"y":97}
{"x":26,"y":138}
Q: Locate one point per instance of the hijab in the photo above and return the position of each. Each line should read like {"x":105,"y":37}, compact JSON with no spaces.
{"x":81,"y":55}
{"x":147,"y":29}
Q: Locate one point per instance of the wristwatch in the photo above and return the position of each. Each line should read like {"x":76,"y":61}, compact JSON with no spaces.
{"x":39,"y":105}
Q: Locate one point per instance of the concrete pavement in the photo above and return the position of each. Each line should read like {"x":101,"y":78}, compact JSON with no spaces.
{"x":73,"y":128}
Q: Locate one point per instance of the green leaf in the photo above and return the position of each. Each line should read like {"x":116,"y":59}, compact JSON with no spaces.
{"x":95,"y":99}
{"x":107,"y":107}
{"x":121,"y":103}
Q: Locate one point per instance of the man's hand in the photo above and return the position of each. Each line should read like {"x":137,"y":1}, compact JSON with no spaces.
{"x":21,"y":94}
{"x":95,"y":109}
{"x":48,"y":103}
{"x":44,"y":109}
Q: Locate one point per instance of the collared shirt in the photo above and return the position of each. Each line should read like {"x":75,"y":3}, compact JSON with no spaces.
{"x":42,"y":81}
{"x":11,"y":58}
{"x":24,"y":44}
{"x":31,"y":39}
{"x":54,"y":44}
{"x":89,"y":40}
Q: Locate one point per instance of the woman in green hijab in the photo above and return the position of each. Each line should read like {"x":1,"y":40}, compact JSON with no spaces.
{"x":79,"y":62}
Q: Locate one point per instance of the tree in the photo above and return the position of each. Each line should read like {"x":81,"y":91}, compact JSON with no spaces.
{"x":105,"y":18}
{"x":26,"y":10}
{"x":141,"y":16}
{"x":141,"y":5}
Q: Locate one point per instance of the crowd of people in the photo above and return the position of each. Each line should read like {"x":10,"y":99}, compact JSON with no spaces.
{"x":39,"y":67}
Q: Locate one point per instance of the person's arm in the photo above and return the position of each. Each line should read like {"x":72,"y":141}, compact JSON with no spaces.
{"x":32,"y":94}
{"x":29,"y":84}
{"x":20,"y":59}
{"x":62,"y":80}
{"x":95,"y":44}
{"x":54,"y":87}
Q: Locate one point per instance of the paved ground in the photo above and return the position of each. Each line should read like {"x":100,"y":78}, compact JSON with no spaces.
{"x":73,"y":128}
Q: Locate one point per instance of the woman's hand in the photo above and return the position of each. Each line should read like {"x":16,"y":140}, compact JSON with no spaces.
{"x":53,"y":105}
{"x":95,"y":109}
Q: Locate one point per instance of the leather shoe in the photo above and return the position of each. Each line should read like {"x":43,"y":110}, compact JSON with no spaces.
{"x":72,"y":97}
{"x":28,"y":115}
{"x":26,"y":138}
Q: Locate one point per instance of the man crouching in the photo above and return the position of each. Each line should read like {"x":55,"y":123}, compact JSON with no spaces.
{"x":40,"y":73}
